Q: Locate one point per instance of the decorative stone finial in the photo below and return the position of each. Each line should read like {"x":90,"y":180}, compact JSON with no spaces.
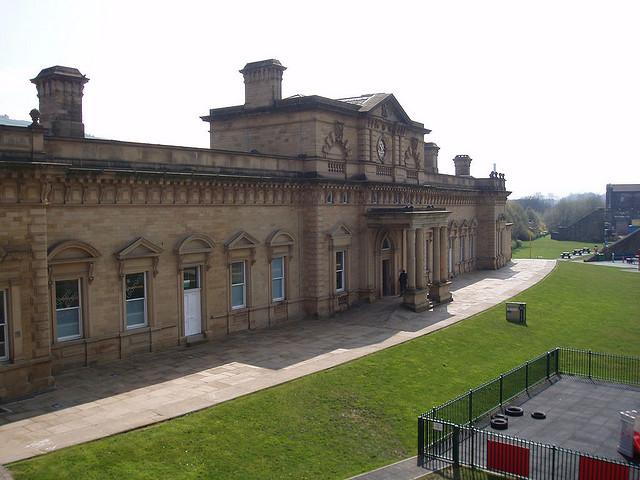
{"x":35,"y":117}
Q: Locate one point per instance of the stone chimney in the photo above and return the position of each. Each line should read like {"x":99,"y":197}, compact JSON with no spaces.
{"x":431,"y":157}
{"x":262,"y":83}
{"x":463,"y":165}
{"x":60,"y":94}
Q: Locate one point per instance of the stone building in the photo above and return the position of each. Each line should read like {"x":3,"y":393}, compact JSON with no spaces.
{"x":303,"y":206}
{"x":623,"y":208}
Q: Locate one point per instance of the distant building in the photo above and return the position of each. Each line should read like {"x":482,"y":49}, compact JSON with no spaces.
{"x":623,"y":207}
{"x":302,"y":206}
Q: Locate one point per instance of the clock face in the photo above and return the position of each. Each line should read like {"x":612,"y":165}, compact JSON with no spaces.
{"x":382,"y":149}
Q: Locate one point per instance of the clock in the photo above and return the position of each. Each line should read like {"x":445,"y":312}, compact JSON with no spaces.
{"x":382,"y":149}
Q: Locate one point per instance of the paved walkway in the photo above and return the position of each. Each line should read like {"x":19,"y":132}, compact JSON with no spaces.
{"x":94,"y":402}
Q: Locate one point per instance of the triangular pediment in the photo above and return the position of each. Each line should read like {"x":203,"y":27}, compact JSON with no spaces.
{"x":139,"y":248}
{"x":340,"y":230}
{"x":387,"y":107}
{"x":241,"y":240}
{"x":280,"y":238}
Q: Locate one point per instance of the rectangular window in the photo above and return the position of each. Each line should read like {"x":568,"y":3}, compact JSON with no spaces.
{"x":277,"y":279}
{"x":135,"y":299}
{"x":191,"y":278}
{"x":238,"y":285}
{"x":68,"y":310}
{"x":4,"y":328}
{"x":340,"y":271}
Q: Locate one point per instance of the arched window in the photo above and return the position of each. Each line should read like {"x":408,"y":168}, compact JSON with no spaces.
{"x":386,"y":244}
{"x":71,"y":270}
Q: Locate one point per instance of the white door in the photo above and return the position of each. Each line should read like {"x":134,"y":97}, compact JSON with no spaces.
{"x":192,"y":304}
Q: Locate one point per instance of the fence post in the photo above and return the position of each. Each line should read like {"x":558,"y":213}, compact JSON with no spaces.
{"x":501,"y":389}
{"x":589,"y":363}
{"x":553,"y":462}
{"x":526,"y":377}
{"x":420,"y":441}
{"x":557,"y":361}
{"x":470,"y":406}
{"x":548,"y":360}
{"x":472,"y":431}
{"x":456,"y":446}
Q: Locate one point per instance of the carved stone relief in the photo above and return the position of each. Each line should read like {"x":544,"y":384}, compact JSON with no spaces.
{"x":336,"y":138}
{"x":413,"y":153}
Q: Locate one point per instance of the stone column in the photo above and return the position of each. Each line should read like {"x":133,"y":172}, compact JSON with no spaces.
{"x":429,"y":247}
{"x":439,"y":289}
{"x":420,"y":265}
{"x":435,"y":276}
{"x":411,"y":259}
{"x":444,"y":251}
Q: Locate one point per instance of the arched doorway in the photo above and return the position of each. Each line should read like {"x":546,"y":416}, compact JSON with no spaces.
{"x":387,"y":270}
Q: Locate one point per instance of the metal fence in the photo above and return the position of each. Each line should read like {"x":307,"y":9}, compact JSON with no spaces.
{"x":446,"y":433}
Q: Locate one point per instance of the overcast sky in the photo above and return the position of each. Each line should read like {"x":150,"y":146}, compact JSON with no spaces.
{"x":549,"y":91}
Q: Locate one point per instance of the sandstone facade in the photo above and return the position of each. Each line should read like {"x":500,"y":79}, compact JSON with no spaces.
{"x":302,"y":206}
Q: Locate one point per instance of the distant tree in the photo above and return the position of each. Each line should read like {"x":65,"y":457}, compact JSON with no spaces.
{"x":536,"y":202}
{"x":535,"y":221}
{"x":517,"y":215}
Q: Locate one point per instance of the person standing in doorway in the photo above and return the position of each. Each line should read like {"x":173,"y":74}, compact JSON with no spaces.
{"x":403,"y":282}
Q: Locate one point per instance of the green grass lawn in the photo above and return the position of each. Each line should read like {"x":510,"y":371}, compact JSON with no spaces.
{"x":363,"y":414}
{"x":544,"y":247}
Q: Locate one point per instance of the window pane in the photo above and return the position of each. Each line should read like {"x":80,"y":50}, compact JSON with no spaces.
{"x":68,"y":323}
{"x":190,"y":278}
{"x":339,"y":285}
{"x":135,"y":312}
{"x":276,"y":289}
{"x":2,"y":329}
{"x":276,"y":268}
{"x":237,"y":273}
{"x":134,"y":286}
{"x":67,"y":294}
{"x":237,"y":296}
{"x":339,"y":260}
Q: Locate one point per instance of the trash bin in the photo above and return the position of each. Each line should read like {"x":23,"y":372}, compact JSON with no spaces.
{"x":627,"y":425}
{"x":517,"y":312}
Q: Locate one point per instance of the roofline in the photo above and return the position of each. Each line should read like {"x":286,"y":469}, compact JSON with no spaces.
{"x":298,"y":104}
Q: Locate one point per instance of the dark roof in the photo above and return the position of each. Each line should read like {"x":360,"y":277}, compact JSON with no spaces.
{"x":351,"y":106}
{"x":5,"y":120}
{"x":624,"y":187}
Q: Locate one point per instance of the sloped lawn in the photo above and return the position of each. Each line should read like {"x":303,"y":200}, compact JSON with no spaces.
{"x":544,"y":247}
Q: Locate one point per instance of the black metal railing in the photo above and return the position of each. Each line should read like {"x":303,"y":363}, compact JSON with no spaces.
{"x":608,"y":367}
{"x":465,"y":445}
{"x":446,"y":433}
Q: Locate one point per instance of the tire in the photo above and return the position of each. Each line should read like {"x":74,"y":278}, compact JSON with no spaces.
{"x":514,"y":411}
{"x":500,"y":415}
{"x":538,"y":415}
{"x":499,"y":424}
